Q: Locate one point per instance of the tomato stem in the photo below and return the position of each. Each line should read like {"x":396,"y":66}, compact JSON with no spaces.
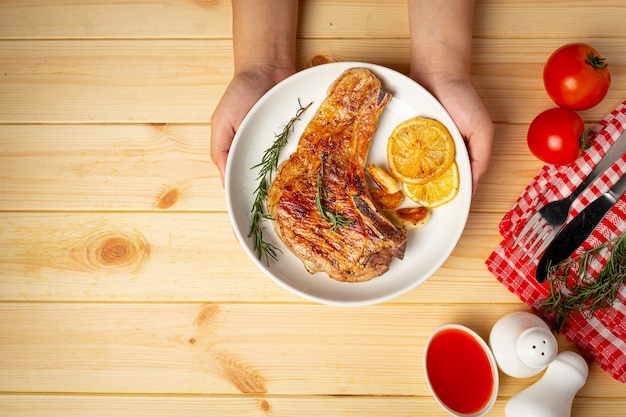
{"x":584,"y":142}
{"x":596,"y":61}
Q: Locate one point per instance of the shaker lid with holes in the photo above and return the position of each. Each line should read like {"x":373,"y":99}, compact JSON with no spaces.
{"x":522,"y":344}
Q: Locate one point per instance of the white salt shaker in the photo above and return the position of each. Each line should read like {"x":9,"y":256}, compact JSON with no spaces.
{"x":553,"y":394}
{"x":522,"y":344}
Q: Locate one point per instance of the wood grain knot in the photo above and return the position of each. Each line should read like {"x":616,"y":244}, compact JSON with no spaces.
{"x":117,"y":250}
{"x":244,"y":379}
{"x":265,"y":405}
{"x":168,"y":199}
{"x":207,"y":315}
{"x":320,"y":59}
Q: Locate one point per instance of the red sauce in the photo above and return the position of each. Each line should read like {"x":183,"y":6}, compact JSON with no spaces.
{"x":459,"y":371}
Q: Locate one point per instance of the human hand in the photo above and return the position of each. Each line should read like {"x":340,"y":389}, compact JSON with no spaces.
{"x":460,"y":99}
{"x":440,"y":61}
{"x":244,"y":90}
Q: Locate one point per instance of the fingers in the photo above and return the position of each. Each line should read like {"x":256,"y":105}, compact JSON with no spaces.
{"x":479,"y":145}
{"x":242,"y":93}
{"x":474,"y":123}
{"x":221,"y":139}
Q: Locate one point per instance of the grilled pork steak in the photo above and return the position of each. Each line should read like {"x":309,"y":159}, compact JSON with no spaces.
{"x":339,"y":137}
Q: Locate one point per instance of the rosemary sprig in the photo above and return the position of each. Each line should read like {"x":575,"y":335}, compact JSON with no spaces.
{"x":336,"y":219}
{"x":582,"y":293}
{"x":268,"y":166}
{"x":264,"y":250}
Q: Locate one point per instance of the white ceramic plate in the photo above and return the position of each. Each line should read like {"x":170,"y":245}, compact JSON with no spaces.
{"x":427,"y":248}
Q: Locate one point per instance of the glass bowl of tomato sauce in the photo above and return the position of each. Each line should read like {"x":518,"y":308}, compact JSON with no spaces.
{"x":461,"y":371}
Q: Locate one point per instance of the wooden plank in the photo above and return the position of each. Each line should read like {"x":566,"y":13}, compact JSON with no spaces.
{"x":150,"y":19}
{"x":175,"y":81}
{"x":187,"y":257}
{"x":223,"y":406}
{"x":108,"y":167}
{"x":553,"y":19}
{"x":102,"y":19}
{"x":277,"y":406}
{"x":222,"y":349}
{"x":127,"y":257}
{"x":112,"y":81}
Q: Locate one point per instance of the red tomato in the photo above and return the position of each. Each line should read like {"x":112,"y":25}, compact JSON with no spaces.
{"x":576,"y":77}
{"x":554,"y":136}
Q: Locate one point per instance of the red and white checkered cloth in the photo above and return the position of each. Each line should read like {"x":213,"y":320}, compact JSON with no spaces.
{"x":601,"y":337}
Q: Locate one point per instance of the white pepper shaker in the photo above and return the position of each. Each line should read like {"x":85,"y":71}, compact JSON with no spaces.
{"x":522,"y":344}
{"x":553,"y":394}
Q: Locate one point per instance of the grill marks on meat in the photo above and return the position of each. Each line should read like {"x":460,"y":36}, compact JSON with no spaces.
{"x":339,"y":136}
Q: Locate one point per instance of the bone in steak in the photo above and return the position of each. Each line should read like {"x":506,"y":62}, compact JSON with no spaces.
{"x":339,"y":137}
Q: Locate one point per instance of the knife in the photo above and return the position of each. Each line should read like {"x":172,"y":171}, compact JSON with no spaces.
{"x":572,"y":235}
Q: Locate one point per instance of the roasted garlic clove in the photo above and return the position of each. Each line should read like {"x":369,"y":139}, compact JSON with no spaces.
{"x":410,"y":218}
{"x":382,"y":178}
{"x":386,"y":201}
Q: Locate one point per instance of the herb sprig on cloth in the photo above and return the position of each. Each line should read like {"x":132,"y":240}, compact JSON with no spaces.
{"x":268,"y":166}
{"x":579,"y":293}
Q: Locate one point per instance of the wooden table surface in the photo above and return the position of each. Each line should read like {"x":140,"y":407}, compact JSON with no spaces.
{"x":123,"y":291}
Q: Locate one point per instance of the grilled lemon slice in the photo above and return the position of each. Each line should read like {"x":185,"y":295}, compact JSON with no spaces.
{"x":420,"y":150}
{"x":436,"y":192}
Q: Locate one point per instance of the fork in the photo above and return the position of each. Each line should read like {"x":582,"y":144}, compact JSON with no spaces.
{"x":541,"y":228}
